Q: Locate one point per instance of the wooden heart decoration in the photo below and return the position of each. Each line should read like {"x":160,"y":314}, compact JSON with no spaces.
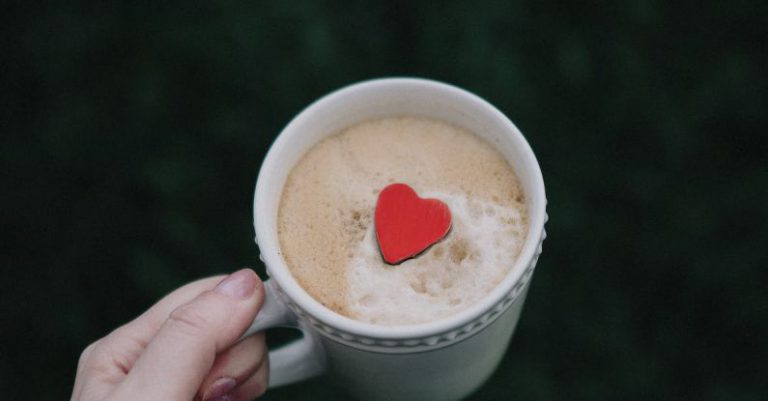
{"x":406,"y":225}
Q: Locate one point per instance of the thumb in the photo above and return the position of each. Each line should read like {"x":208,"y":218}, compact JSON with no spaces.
{"x":177,"y":359}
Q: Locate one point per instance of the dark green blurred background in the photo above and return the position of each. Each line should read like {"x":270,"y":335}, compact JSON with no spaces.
{"x":132,"y":135}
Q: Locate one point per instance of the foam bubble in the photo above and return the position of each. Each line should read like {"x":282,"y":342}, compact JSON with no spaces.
{"x":450,"y":276}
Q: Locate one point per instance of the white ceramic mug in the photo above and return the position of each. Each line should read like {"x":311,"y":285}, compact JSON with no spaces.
{"x":445,"y":359}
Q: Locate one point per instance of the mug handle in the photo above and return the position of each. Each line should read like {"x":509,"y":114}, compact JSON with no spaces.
{"x":293,"y":362}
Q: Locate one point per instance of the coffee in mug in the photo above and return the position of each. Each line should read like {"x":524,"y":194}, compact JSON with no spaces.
{"x":326,"y":227}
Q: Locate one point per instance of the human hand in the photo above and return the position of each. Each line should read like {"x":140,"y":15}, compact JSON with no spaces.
{"x":183,"y":348}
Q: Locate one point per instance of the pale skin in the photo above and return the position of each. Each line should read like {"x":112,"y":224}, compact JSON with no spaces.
{"x":185,"y":347}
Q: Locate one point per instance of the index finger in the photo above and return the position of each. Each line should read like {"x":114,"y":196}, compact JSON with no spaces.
{"x":112,"y":357}
{"x":145,"y":326}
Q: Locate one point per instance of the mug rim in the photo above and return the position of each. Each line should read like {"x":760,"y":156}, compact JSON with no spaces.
{"x":269,"y":246}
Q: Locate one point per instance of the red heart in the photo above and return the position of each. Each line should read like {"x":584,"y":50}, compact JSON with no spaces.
{"x":406,"y":225}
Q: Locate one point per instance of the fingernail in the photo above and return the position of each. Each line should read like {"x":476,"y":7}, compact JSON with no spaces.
{"x":219,"y":389}
{"x":238,"y":285}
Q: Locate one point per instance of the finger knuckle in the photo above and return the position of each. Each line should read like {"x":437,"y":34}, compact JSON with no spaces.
{"x":93,"y":361}
{"x":188,"y":320}
{"x":124,"y":353}
{"x":85,"y":356}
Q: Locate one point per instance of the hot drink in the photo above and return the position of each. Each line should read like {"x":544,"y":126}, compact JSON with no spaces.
{"x":326,"y":230}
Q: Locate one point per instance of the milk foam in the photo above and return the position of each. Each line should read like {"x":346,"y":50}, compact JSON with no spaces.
{"x":476,"y":254}
{"x":325,"y":220}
